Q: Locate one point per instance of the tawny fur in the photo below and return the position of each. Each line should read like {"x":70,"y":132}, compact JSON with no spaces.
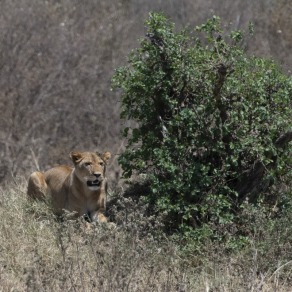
{"x":80,"y":189}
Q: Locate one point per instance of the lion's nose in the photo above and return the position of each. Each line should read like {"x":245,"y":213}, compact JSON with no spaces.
{"x":97,"y":174}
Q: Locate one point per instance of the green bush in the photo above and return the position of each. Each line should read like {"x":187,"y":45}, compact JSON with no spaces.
{"x":212,"y":125}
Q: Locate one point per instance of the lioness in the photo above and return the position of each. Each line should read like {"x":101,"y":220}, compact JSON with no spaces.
{"x":81,"y":189}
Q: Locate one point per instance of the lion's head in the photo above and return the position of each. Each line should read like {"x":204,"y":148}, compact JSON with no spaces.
{"x":90,"y":167}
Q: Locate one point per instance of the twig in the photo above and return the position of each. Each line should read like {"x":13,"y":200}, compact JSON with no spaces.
{"x":278,"y":269}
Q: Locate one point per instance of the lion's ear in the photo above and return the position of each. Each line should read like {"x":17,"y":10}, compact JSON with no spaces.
{"x":75,"y":156}
{"x":106,"y":156}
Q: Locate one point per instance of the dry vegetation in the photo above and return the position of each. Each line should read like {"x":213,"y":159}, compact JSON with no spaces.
{"x":56,"y":63}
{"x":40,"y":253}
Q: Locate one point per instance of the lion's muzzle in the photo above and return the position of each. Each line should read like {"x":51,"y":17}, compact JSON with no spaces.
{"x":94,"y":181}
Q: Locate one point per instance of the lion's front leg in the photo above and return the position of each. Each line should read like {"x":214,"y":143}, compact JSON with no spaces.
{"x":98,"y":216}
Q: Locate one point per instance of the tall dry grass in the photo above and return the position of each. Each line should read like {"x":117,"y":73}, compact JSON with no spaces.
{"x":40,"y":253}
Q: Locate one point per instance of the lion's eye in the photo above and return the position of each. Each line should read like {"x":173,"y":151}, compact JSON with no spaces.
{"x":87,"y":163}
{"x":101,"y":164}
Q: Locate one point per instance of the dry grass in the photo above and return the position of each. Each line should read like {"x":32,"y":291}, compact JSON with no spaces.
{"x":40,"y":253}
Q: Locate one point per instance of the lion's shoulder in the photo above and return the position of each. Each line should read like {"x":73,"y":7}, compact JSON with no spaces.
{"x":58,"y":174}
{"x":61,"y":169}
